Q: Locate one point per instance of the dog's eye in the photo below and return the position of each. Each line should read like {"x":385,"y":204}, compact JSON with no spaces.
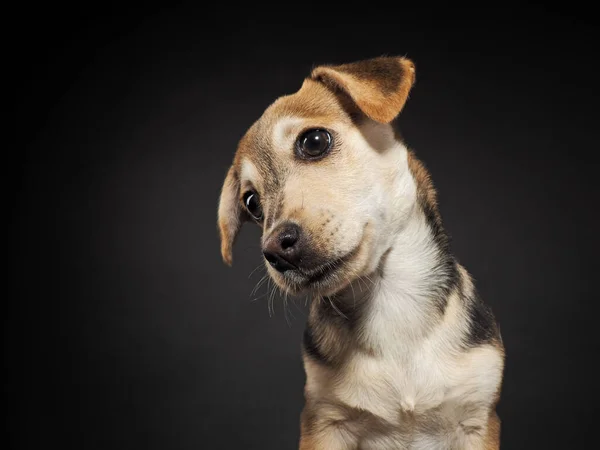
{"x":252,"y":204}
{"x":313,"y":143}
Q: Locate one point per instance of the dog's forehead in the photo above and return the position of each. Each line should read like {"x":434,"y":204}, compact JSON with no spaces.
{"x":313,"y":103}
{"x":312,"y":100}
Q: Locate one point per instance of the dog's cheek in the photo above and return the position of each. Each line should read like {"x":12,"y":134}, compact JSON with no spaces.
{"x":331,"y":203}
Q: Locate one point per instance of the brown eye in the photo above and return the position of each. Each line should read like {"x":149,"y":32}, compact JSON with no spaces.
{"x":313,"y":143}
{"x":252,"y":204}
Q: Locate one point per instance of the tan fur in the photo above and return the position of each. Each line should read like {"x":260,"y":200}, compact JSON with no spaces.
{"x":230,"y":214}
{"x":306,"y":440}
{"x":393,"y":362}
{"x":492,"y":440}
{"x":425,"y":187}
{"x":371,"y":92}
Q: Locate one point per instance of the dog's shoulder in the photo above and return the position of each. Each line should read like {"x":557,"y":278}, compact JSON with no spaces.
{"x":481,"y":325}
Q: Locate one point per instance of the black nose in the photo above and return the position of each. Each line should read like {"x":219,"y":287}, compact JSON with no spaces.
{"x":282,"y":248}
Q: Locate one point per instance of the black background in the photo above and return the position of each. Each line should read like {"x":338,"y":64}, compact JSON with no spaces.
{"x":123,"y":329}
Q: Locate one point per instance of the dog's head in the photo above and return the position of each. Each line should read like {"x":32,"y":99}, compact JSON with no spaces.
{"x":325,"y":177}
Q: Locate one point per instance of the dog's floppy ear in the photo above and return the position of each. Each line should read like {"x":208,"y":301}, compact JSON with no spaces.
{"x":231,"y":214}
{"x":378,"y":86}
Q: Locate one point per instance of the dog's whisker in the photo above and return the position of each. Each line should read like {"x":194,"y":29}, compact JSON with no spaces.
{"x":259,"y":297}
{"x":271,"y":303}
{"x":259,"y":284}
{"x":269,"y":295}
{"x":255,"y":269}
{"x":362,"y":280}
{"x":372,"y":282}
{"x":293,"y":301}
{"x":269,"y":309}
{"x":353,"y":293}
{"x":286,"y":309}
{"x":336,"y":308}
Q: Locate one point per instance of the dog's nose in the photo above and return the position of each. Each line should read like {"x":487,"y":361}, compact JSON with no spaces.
{"x":281,"y":248}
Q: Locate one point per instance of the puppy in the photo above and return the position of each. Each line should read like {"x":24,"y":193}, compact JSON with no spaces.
{"x":399,"y":350}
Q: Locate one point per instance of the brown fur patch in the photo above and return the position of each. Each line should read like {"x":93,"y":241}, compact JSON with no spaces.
{"x":231,"y":214}
{"x":307,"y":441}
{"x":492,"y":438}
{"x":425,"y":190}
{"x":331,"y":333}
{"x":378,"y":86}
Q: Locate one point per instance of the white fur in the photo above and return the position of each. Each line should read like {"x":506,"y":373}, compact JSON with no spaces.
{"x":249,"y":173}
{"x":284,"y":133}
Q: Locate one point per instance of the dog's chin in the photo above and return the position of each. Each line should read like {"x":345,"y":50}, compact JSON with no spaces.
{"x":297,"y":283}
{"x":323,"y":280}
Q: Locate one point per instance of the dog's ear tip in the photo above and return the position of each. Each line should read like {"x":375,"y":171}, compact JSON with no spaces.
{"x":227,"y":261}
{"x":317,"y":73}
{"x":408,"y":64}
{"x":227,"y":257}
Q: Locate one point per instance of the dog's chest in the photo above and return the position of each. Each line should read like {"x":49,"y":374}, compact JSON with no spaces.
{"x":417,"y":379}
{"x":386,"y":386}
{"x":411,"y":368}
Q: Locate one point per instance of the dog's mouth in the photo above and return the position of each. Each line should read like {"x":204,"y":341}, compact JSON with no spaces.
{"x":320,"y":277}
{"x":318,"y":274}
{"x":327,"y":269}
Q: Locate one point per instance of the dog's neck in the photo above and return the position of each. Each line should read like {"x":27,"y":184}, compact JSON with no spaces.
{"x":411,"y":284}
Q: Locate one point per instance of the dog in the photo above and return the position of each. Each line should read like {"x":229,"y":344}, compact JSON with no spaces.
{"x":399,"y":350}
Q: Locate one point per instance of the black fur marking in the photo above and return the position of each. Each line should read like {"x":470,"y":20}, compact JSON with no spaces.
{"x":311,"y":347}
{"x":482,"y":324}
{"x":447,"y":266}
{"x":345,"y":311}
{"x":386,"y":72}
{"x":446,"y":262}
{"x":434,"y":221}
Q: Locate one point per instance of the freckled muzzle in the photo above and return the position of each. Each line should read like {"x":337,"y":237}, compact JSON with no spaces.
{"x":289,"y":248}
{"x":293,"y":254}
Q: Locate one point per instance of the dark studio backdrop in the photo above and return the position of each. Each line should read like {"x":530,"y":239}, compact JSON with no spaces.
{"x":124,"y":330}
